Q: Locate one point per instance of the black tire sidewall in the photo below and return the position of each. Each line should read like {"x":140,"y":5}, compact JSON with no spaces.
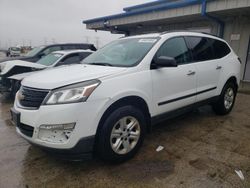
{"x":220,"y":106}
{"x":104,"y":148}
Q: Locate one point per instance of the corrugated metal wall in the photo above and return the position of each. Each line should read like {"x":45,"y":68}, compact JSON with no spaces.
{"x":219,"y":5}
{"x":212,"y":6}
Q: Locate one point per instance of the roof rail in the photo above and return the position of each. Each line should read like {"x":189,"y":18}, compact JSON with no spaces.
{"x":165,"y":32}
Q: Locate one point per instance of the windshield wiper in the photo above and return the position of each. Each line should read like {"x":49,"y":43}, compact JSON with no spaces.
{"x":101,"y":63}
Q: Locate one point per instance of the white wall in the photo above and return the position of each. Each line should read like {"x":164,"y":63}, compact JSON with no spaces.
{"x":238,"y":25}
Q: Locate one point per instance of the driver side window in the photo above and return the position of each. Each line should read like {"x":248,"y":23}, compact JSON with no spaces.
{"x":177,"y":49}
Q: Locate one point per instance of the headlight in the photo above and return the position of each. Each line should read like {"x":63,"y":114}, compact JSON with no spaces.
{"x":72,"y":93}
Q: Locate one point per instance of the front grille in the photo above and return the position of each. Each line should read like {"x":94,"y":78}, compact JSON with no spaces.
{"x":31,"y":97}
{"x":26,"y":129}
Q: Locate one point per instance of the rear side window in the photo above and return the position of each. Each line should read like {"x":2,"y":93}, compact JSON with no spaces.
{"x":201,"y":48}
{"x":70,"y":59}
{"x":175,"y":48}
{"x":221,"y":49}
{"x":83,"y":55}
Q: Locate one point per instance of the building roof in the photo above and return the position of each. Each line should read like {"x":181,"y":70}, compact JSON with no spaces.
{"x":165,"y":15}
{"x":146,"y":8}
{"x":145,"y":5}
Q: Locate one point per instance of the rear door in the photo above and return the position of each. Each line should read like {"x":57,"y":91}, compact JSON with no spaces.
{"x":174,"y":87}
{"x":207,"y":66}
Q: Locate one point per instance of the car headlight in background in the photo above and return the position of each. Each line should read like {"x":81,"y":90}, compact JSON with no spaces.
{"x":73,"y":93}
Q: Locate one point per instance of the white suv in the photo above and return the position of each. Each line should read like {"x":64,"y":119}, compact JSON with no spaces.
{"x":107,"y":103}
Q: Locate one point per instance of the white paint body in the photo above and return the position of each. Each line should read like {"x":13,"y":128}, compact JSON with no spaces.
{"x":153,"y":86}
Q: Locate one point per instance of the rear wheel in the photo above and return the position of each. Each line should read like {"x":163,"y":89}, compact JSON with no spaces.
{"x":121,"y":134}
{"x":226,"y":100}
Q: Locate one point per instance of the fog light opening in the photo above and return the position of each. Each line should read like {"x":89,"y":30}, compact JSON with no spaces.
{"x":56,"y":133}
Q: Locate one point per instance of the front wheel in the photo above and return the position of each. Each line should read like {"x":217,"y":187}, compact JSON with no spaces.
{"x":226,"y":100}
{"x":121,"y":134}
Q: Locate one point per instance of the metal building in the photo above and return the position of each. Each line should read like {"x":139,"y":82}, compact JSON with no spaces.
{"x":229,"y":19}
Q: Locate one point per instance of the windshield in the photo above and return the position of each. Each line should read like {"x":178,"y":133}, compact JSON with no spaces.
{"x":122,"y":53}
{"x":15,"y":49}
{"x":34,"y":51}
{"x":49,"y":59}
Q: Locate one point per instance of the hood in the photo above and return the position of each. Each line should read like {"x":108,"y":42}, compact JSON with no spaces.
{"x":9,"y":65}
{"x":22,"y":75}
{"x":66,"y":75}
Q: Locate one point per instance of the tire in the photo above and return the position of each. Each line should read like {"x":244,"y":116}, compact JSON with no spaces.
{"x":225,"y":103}
{"x":116,"y":142}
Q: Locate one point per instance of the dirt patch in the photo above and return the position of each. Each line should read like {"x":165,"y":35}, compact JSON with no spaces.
{"x":145,"y":171}
{"x":200,"y":150}
{"x":198,"y":164}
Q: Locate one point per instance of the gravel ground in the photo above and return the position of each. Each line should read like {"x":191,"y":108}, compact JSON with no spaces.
{"x":200,"y":150}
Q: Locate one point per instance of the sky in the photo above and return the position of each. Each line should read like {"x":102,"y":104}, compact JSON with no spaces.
{"x":38,"y":22}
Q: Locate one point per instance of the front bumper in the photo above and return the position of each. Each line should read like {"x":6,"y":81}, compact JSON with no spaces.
{"x":85,"y":115}
{"x":83,"y":150}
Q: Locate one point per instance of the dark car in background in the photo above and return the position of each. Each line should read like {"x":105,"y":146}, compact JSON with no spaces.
{"x":12,"y":72}
{"x":38,"y":52}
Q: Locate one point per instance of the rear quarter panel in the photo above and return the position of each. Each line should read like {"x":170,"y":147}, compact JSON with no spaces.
{"x":230,"y":68}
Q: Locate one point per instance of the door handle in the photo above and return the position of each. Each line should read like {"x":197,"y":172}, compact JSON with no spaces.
{"x":190,"y":73}
{"x":218,"y":67}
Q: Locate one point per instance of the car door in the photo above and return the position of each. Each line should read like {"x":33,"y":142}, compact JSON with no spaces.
{"x":174,"y":87}
{"x":208,"y":67}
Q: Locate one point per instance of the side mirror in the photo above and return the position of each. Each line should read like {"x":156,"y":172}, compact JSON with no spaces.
{"x":164,"y":61}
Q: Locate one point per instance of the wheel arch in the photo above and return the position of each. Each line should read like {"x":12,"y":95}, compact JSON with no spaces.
{"x":232,"y":79}
{"x":133,"y":100}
